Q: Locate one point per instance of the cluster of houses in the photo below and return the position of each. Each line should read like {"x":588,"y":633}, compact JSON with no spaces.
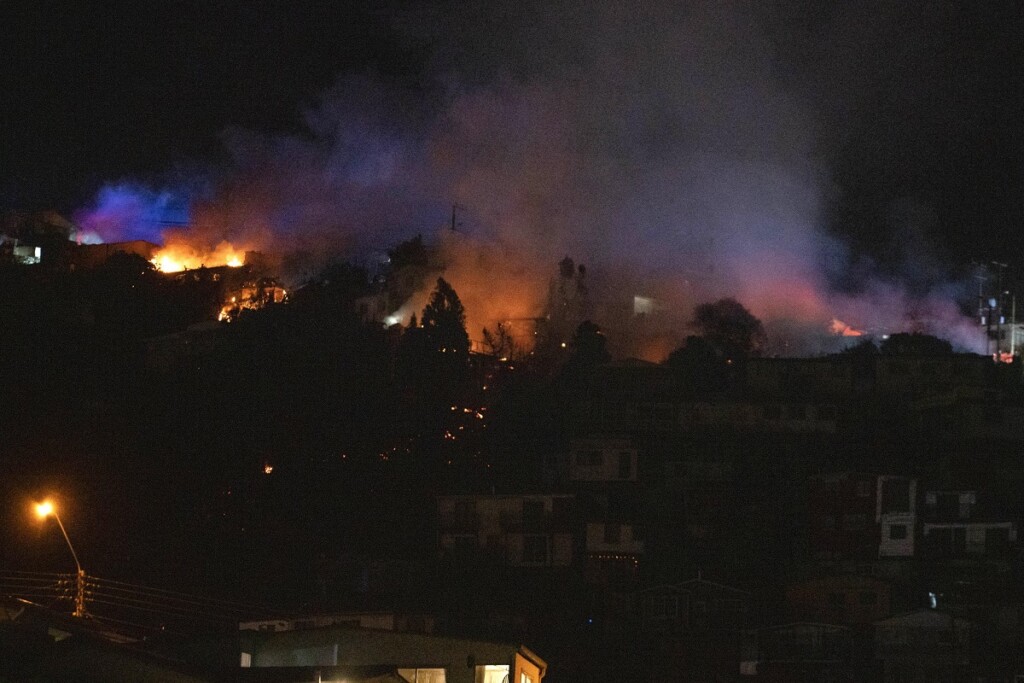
{"x":840,"y":518}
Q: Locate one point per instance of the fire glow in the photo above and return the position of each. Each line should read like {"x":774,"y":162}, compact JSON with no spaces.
{"x":178,"y":256}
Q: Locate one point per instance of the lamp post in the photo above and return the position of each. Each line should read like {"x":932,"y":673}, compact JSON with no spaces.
{"x":46,"y":509}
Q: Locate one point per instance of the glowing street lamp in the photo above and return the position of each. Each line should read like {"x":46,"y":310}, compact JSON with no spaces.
{"x":46,"y":509}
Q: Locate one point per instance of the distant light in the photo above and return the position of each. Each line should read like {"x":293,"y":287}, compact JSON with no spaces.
{"x":391,"y":320}
{"x":268,"y":468}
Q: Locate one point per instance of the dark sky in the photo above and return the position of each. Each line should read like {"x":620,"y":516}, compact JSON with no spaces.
{"x":915,"y":106}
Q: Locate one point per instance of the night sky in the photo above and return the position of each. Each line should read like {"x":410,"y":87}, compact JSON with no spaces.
{"x":913,"y":109}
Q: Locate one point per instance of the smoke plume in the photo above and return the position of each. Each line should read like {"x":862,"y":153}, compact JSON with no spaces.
{"x":662,"y":145}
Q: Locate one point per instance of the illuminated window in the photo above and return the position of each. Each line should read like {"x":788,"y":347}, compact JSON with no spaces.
{"x":492,"y":673}
{"x":422,"y":675}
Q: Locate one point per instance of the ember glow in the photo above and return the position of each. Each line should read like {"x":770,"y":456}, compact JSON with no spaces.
{"x":178,"y":256}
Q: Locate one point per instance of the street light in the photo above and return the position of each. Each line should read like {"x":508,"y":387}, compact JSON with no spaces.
{"x":46,"y":509}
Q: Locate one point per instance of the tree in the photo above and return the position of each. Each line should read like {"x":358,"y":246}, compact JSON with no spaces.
{"x":444,"y":321}
{"x":698,"y":366}
{"x":915,"y":344}
{"x":500,"y":343}
{"x":728,"y":326}
{"x":589,"y":345}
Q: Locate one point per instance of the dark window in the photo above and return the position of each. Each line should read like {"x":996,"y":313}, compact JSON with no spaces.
{"x":868,"y":598}
{"x":535,"y":549}
{"x":533,"y":511}
{"x":772,"y":412}
{"x":827,"y":413}
{"x":560,"y":508}
{"x":996,"y":539}
{"x":895,"y":495}
{"x":661,"y":606}
{"x":828,"y":522}
{"x":864,"y":489}
{"x":465,"y":544}
{"x":465,"y":512}
{"x":612,"y":533}
{"x":947,"y":505}
{"x":898,"y":532}
{"x":855,"y":522}
{"x":796,"y":412}
{"x":836,"y":599}
{"x":625,"y":465}
{"x":959,"y":540}
{"x":591,"y":458}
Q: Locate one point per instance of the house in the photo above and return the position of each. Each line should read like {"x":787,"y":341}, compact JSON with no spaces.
{"x":799,"y":651}
{"x":37,"y":644}
{"x":385,"y":621}
{"x":602,"y":460}
{"x":694,"y":605}
{"x":895,"y":514}
{"x":92,"y":255}
{"x":961,"y":523}
{"x":843,"y":599}
{"x":628,"y":396}
{"x":826,"y":376}
{"x":915,"y":375}
{"x":416,"y":658}
{"x":774,"y":415}
{"x":972,"y":412}
{"x":691,"y":630}
{"x":923,"y":645}
{"x":861,"y":516}
{"x":517,"y":530}
{"x":614,"y":551}
{"x":842,"y":507}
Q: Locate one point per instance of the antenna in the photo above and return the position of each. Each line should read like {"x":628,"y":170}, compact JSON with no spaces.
{"x":456,"y":207}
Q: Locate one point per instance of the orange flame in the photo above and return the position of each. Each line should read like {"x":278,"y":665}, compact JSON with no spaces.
{"x":841,"y":329}
{"x":179,"y":256}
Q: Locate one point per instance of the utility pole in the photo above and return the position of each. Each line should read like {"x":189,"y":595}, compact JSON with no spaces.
{"x":999,"y":308}
{"x":456,"y":207}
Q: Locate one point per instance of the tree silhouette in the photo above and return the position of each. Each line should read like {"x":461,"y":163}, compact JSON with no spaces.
{"x":728,"y":326}
{"x":914,"y":344}
{"x":444,"y":321}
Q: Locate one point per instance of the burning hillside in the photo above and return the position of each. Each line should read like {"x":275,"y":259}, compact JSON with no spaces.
{"x":672,"y":181}
{"x":178,"y":256}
